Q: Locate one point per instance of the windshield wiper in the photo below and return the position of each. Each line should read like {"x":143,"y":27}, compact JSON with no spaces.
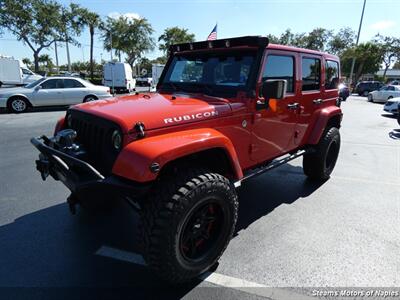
{"x":172,"y":85}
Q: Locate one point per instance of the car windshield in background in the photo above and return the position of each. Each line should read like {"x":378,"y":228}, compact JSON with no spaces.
{"x":35,"y":83}
{"x":209,"y":73}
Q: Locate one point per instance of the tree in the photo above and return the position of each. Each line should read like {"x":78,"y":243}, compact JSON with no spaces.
{"x":34,"y":22}
{"x":396,"y":65}
{"x":344,"y":39}
{"x":27,"y":62}
{"x":317,"y":39}
{"x":273,"y":39}
{"x":390,"y":47}
{"x":130,"y":36}
{"x":46,"y":61}
{"x":174,"y":35}
{"x":92,"y":21}
{"x":368,"y":59}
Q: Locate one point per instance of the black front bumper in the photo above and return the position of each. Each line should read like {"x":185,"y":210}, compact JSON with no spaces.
{"x":82,"y":179}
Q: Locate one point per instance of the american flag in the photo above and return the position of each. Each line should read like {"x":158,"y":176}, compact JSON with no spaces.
{"x":213,"y":35}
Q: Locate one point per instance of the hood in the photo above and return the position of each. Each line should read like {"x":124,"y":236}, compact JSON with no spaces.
{"x":15,"y":90}
{"x":157,"y":110}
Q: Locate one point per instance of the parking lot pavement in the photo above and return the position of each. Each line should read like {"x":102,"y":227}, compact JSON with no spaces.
{"x":290,"y":232}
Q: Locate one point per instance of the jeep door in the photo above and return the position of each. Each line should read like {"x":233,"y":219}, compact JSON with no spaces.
{"x":274,"y":122}
{"x":311,"y":96}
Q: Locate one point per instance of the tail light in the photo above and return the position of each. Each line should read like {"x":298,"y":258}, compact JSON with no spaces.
{"x":108,"y":91}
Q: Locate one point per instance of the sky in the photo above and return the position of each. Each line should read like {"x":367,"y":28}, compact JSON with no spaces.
{"x":234,"y":18}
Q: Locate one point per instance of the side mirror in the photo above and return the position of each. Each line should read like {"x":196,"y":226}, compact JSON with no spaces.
{"x":274,"y":88}
{"x":38,"y":87}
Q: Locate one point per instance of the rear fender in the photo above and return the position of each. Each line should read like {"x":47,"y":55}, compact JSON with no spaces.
{"x":136,"y":158}
{"x":328,"y":116}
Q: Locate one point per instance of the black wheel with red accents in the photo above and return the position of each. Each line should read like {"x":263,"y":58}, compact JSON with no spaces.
{"x":188,"y":223}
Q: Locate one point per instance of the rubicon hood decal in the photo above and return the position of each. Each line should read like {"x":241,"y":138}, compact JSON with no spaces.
{"x":157,"y":110}
{"x":202,"y":115}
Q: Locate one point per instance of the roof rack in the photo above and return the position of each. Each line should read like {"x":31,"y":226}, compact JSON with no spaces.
{"x":250,"y":41}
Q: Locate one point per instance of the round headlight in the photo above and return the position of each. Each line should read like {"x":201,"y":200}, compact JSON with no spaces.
{"x":116,"y":139}
{"x":69,"y":121}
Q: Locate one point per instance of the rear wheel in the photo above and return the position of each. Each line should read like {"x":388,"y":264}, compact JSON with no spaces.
{"x":18,"y":105}
{"x":320,"y":164}
{"x":370,"y":99}
{"x":365,"y":93}
{"x":90,"y":98}
{"x":188,"y":224}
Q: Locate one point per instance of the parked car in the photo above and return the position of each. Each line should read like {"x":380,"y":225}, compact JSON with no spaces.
{"x":15,"y":72}
{"x":384,"y":93}
{"x":392,"y":105}
{"x":364,"y":87}
{"x":344,"y":91}
{"x":178,"y":155}
{"x":51,"y":91}
{"x":395,"y":82}
{"x":118,"y":76}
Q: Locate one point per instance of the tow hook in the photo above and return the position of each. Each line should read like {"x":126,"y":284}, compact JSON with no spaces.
{"x":42,"y":165}
{"x":72,"y":202}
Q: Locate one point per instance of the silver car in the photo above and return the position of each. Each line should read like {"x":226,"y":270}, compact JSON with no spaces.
{"x":51,"y":91}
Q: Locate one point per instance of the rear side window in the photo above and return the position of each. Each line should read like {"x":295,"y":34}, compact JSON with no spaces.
{"x":71,"y":83}
{"x":280,"y":67}
{"x":311,"y":73}
{"x":331,"y":75}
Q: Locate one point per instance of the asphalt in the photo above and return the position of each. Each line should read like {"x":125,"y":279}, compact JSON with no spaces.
{"x":291,"y":233}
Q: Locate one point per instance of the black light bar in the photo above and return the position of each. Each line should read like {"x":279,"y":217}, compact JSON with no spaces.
{"x":250,"y":41}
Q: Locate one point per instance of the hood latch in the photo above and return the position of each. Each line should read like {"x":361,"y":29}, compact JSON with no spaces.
{"x":139,"y":128}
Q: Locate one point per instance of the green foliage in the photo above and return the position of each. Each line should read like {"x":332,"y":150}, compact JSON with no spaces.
{"x":174,"y":35}
{"x":38,"y":23}
{"x":92,"y":21}
{"x":46,"y":62}
{"x":368,"y":59}
{"x":390,"y":47}
{"x":339,"y":42}
{"x":317,"y":39}
{"x":132,"y":37}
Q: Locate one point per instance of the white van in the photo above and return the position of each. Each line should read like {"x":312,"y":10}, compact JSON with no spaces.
{"x":15,"y":72}
{"x":119,"y":76}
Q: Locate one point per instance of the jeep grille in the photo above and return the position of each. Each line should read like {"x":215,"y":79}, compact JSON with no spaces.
{"x":94,"y":134}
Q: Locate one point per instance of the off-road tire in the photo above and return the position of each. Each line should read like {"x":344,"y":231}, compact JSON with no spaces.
{"x":319,"y":165}
{"x":166,"y":215}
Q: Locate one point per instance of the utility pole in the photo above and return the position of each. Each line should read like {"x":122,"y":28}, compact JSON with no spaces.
{"x":68,"y":57}
{"x":358,"y":38}
{"x":55,"y":49}
{"x":112,"y":65}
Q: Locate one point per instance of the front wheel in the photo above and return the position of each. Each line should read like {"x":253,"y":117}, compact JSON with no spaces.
{"x":319,"y":164}
{"x":188,"y":224}
{"x":18,"y":105}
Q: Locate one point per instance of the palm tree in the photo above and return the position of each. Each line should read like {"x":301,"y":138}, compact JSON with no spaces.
{"x":92,"y":21}
{"x":46,"y":60}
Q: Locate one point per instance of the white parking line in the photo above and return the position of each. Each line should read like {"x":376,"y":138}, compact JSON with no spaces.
{"x":212,"y":277}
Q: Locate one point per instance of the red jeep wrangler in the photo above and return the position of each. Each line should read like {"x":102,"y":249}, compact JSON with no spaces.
{"x":224,"y":111}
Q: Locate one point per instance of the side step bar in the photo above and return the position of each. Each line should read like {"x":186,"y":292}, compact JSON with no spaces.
{"x":270,"y":166}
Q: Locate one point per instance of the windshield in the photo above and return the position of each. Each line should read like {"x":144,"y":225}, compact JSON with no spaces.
{"x":35,"y":83}
{"x":209,"y":73}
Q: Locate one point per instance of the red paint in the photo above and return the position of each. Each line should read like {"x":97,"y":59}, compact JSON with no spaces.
{"x":181,"y":124}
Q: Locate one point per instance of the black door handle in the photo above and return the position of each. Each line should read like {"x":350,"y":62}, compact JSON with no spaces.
{"x":293,"y":105}
{"x":318,"y":101}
